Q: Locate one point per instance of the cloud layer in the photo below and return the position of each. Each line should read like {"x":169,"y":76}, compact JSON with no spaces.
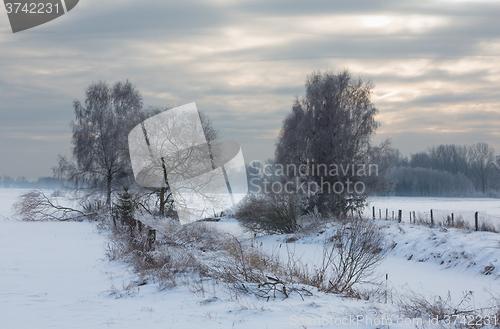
{"x":434,"y":65}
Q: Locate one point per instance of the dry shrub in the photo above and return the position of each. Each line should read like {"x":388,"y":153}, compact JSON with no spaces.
{"x":314,"y":223}
{"x":350,"y":255}
{"x":242,"y":263}
{"x":249,"y":270}
{"x":165,"y":262}
{"x":292,"y":239}
{"x":176,"y":264}
{"x":488,"y":227}
{"x":414,"y":305}
{"x":460,"y":223}
{"x":199,"y":234}
{"x":200,"y":252}
{"x":270,"y":213}
{"x":116,"y":249}
{"x":375,"y":292}
{"x":127,"y":243}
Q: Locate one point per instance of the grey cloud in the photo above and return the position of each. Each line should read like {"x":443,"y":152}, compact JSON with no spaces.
{"x":297,"y":7}
{"x":42,"y":73}
{"x":287,"y":8}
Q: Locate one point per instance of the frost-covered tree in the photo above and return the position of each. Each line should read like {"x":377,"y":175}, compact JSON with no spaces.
{"x":332,"y":124}
{"x":100,"y":155}
{"x":100,"y":128}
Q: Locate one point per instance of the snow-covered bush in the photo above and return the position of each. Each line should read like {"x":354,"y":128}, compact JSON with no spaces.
{"x":270,"y":213}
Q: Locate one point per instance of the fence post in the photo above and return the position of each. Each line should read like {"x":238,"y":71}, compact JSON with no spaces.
{"x":151,"y":238}
{"x":452,"y":220}
{"x":477,"y":221}
{"x":131,"y":224}
{"x":380,"y":214}
{"x":115,"y":216}
{"x":414,"y":218}
{"x":432,"y":219}
{"x":386,"y":214}
{"x":393,"y":215}
{"x":410,"y":217}
{"x":373,"y":208}
{"x":400,"y":215}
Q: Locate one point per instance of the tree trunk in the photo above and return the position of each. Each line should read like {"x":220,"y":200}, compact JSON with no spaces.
{"x":108,"y":191}
{"x":162,"y":202}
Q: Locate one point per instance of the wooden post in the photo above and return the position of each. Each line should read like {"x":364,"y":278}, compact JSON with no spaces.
{"x":477,"y":221}
{"x":151,"y":238}
{"x":400,"y":215}
{"x":393,"y":215}
{"x":414,"y":218}
{"x":373,"y":208}
{"x":380,"y":214}
{"x":386,"y":213}
{"x":432,"y":219}
{"x":452,"y":220}
{"x":386,"y":279}
{"x":131,"y":224}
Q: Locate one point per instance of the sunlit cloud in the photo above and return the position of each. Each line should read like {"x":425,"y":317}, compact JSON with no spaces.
{"x":373,"y":24}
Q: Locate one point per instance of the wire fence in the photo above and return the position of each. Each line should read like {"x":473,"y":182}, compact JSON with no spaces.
{"x":466,"y":219}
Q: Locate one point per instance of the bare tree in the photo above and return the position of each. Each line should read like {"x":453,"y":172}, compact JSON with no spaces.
{"x":165,"y":200}
{"x":171,"y":151}
{"x":430,"y":169}
{"x":449,"y":157}
{"x":429,"y":182}
{"x":482,"y":159}
{"x":101,"y":157}
{"x":100,"y":128}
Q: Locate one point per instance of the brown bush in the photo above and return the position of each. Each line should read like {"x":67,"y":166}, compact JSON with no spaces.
{"x":270,"y":213}
{"x":351,"y":255}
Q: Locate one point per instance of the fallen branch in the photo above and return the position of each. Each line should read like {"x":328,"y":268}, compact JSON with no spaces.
{"x":36,"y":206}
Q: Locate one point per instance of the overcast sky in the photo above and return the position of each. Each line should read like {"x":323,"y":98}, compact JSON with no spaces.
{"x":435,"y":66}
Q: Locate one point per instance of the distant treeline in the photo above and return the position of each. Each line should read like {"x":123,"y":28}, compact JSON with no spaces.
{"x":444,"y":170}
{"x":40,"y":183}
{"x":447,"y":170}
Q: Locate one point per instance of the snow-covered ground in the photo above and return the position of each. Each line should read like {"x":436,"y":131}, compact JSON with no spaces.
{"x":488,"y":209}
{"x":56,"y":275}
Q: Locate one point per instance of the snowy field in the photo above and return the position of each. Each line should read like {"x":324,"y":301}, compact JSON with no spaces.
{"x":490,"y":206}
{"x":488,"y":209}
{"x":56,"y":275}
